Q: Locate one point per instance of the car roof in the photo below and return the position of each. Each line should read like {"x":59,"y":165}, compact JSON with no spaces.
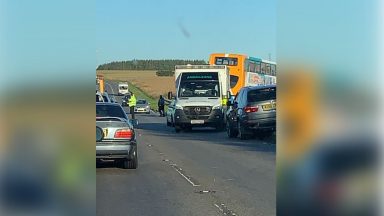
{"x":259,"y":87}
{"x":107,"y":103}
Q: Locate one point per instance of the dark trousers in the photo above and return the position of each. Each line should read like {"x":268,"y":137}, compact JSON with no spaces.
{"x":132,"y":111}
{"x":161,"y":110}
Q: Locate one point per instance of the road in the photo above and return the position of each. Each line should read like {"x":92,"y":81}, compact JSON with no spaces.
{"x":200,"y":172}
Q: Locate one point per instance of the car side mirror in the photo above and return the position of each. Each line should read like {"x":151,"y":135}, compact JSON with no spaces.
{"x":134,"y":122}
{"x":235,"y":105}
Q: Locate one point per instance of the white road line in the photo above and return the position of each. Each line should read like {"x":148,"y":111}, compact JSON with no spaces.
{"x":217,"y":206}
{"x":224,"y":210}
{"x":186,"y":178}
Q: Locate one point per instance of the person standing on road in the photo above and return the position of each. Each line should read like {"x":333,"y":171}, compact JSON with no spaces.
{"x":132,"y":105}
{"x":160,"y":104}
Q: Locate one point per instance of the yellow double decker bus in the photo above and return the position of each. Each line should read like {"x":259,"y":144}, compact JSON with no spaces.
{"x":245,"y":70}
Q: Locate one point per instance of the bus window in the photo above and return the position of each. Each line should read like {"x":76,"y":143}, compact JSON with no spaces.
{"x":252,"y":67}
{"x":263,"y":68}
{"x":268,"y":72}
{"x":258,"y":67}
{"x":226,"y":61}
{"x":273,"y":70}
{"x":233,"y":80}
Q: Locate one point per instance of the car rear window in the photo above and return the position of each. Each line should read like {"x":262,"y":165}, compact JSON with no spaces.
{"x":109,"y":111}
{"x":262,"y":94}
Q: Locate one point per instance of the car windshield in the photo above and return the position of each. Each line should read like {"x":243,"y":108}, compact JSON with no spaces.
{"x":107,"y":110}
{"x":262,"y":94}
{"x":199,"y":89}
{"x":141,"y":102}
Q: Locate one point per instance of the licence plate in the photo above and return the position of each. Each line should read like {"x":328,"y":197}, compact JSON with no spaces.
{"x":105,"y":131}
{"x":267,"y":107}
{"x":197,"y":121}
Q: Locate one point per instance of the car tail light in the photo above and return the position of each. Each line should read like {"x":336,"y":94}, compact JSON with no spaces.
{"x":251,"y":109}
{"x":124,"y":133}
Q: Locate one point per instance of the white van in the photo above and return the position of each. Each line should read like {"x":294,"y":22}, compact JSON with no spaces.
{"x":200,"y":90}
{"x":123,"y":88}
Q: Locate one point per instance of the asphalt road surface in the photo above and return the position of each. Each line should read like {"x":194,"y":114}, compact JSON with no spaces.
{"x":200,"y":172}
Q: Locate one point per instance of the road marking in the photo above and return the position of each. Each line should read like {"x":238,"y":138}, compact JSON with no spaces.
{"x":217,"y":206}
{"x":205,"y":191}
{"x":178,"y":170}
{"x":224,"y":210}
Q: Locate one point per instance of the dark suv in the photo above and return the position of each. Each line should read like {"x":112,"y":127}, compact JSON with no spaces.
{"x":252,"y":112}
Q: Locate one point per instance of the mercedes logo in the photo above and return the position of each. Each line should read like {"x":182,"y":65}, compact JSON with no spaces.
{"x":197,"y":109}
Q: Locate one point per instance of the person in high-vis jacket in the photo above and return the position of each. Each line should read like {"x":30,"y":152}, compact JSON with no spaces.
{"x":132,"y":105}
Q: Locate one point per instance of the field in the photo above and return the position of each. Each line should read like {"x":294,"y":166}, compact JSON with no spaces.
{"x":147,"y":81}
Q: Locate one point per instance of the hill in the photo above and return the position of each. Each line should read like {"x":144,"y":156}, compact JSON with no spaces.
{"x":148,"y":64}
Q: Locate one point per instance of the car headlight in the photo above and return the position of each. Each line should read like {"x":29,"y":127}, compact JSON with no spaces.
{"x":147,"y":107}
{"x":217,"y":107}
{"x":178,"y":107}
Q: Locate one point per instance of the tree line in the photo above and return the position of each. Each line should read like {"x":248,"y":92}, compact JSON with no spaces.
{"x":160,"y":65}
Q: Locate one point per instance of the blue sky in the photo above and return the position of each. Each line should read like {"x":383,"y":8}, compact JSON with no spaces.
{"x":46,"y":40}
{"x":162,"y":29}
{"x":64,"y":39}
{"x":338,"y":37}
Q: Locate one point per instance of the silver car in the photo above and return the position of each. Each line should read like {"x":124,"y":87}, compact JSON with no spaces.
{"x":115,"y":136}
{"x":142,"y":106}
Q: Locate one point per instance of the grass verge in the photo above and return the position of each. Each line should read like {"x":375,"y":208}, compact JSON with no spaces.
{"x":142,"y":95}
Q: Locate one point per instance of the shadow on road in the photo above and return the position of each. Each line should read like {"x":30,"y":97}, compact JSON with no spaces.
{"x":210,"y":135}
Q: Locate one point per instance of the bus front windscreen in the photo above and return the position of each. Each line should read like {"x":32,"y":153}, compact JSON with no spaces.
{"x":226,"y":61}
{"x":199,"y":85}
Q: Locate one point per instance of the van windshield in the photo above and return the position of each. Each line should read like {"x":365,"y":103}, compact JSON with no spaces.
{"x":199,"y":89}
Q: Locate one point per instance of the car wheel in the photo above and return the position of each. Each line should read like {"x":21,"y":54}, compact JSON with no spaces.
{"x":148,"y":113}
{"x":230,"y":132}
{"x":241,"y":131}
{"x":177,"y":128}
{"x":132,"y":163}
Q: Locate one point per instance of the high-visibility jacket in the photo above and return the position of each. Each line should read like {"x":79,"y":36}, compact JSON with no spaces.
{"x":224,"y":101}
{"x":132,"y":101}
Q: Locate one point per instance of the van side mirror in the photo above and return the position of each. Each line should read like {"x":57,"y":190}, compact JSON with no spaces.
{"x":229,"y":95}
